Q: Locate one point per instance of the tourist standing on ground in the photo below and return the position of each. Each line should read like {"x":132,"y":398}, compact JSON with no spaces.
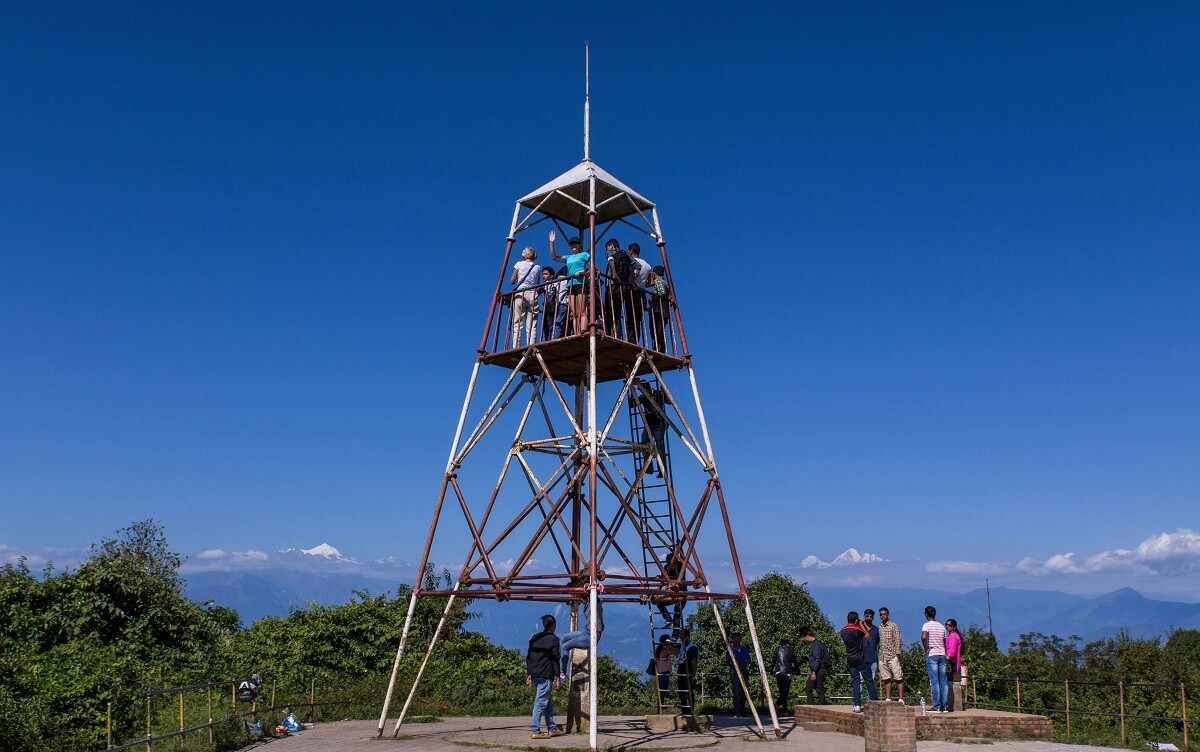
{"x":526,"y":276}
{"x":785,"y":668}
{"x":889,"y":654}
{"x":933,"y":638}
{"x":581,"y":639}
{"x":737,"y":658}
{"x":689,"y":660}
{"x":855,"y":637}
{"x":820,"y":661}
{"x":953,"y":662}
{"x":664,"y":660}
{"x":541,"y":663}
{"x":577,"y":266}
{"x":868,"y":623}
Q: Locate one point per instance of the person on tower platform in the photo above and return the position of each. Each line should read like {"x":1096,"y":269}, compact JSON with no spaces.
{"x":577,"y":265}
{"x":526,"y":276}
{"x":619,"y":270}
{"x":635,"y":310}
{"x":660,"y":307}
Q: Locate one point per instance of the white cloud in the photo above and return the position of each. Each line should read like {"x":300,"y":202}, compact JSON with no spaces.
{"x":1165,"y":553}
{"x":211,"y":553}
{"x":960,"y":567}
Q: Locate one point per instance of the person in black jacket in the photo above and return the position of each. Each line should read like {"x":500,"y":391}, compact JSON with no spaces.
{"x":541,"y":662}
{"x":856,"y":637}
{"x":785,"y":667}
{"x":820,"y":660}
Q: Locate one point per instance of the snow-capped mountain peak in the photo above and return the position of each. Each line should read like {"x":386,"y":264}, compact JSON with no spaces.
{"x":848,"y":557}
{"x":322,"y":551}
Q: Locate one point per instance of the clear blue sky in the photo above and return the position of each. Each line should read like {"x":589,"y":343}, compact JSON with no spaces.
{"x":938,"y":258}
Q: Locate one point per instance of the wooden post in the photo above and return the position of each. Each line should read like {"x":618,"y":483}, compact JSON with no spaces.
{"x":181,"y":724}
{"x":1067,"y":695}
{"x":1018,"y":694}
{"x":210,"y":720}
{"x":148,"y":708}
{"x":1121,"y":689}
{"x":1183,"y":705}
{"x":273,"y":683}
{"x":974,"y":692}
{"x":108,"y":727}
{"x":312,"y":695}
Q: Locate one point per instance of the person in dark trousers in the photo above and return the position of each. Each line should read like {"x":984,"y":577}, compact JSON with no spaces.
{"x":737,"y":658}
{"x":689,"y":660}
{"x":855,"y":637}
{"x":820,"y":660}
{"x":785,"y":668}
{"x":541,"y":663}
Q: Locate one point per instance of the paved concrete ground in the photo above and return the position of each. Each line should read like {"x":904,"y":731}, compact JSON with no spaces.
{"x":615,"y":733}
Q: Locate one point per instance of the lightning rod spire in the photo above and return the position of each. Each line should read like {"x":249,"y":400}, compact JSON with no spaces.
{"x":587,"y":113}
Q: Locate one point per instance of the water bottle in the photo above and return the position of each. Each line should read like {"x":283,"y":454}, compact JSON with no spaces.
{"x":922,"y":704}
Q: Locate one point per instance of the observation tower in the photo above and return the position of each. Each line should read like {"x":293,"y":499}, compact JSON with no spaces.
{"x":581,"y":470}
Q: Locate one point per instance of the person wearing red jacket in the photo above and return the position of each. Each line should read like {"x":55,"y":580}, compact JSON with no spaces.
{"x":856,"y":637}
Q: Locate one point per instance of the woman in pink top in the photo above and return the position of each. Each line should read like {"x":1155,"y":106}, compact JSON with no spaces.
{"x":953,"y":659}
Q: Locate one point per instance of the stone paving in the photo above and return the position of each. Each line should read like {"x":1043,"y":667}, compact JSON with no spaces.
{"x":615,"y":733}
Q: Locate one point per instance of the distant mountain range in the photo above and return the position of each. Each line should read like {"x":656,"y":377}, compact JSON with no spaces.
{"x":294,"y":578}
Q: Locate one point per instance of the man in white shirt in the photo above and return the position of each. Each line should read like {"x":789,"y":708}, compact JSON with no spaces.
{"x":933,"y":637}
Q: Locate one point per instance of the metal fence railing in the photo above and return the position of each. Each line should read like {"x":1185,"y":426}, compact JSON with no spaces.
{"x":235,"y":715}
{"x":1119,"y":713}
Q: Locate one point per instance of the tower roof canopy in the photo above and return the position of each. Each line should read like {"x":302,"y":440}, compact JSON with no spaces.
{"x":567,"y":197}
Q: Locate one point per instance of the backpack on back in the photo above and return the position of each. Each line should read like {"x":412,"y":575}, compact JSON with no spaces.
{"x":827,"y":659}
{"x":623,"y":265}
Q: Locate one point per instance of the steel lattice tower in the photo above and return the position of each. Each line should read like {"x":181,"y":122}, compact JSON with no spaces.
{"x":577,"y":513}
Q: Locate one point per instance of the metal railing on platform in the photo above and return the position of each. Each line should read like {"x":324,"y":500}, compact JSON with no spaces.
{"x":543,"y":313}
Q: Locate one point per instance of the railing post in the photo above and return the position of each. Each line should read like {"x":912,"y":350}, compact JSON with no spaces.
{"x":210,"y":720}
{"x":1067,"y":695}
{"x":1121,"y":688}
{"x":181,"y":724}
{"x":1018,"y":694}
{"x":148,"y":699}
{"x":273,"y":683}
{"x":1183,"y":705}
{"x":974,"y":692}
{"x":108,"y":727}
{"x":312,"y":694}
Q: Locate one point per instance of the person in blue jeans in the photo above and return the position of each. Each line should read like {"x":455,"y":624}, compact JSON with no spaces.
{"x":933,"y":637}
{"x":541,"y":663}
{"x":868,"y":622}
{"x":855,"y":637}
{"x":580,"y":639}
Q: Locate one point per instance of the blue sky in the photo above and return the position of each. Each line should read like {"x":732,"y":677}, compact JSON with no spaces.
{"x":937,"y":263}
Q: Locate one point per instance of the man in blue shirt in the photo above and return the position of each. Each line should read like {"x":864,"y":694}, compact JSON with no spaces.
{"x":868,"y":622}
{"x":738,"y":661}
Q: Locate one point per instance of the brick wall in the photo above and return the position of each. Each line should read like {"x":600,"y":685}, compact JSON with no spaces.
{"x":989,"y":724}
{"x":889,"y":727}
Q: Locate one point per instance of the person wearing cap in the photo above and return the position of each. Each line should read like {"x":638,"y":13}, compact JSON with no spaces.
{"x":819,"y":662}
{"x":526,"y":276}
{"x":541,"y":663}
{"x":635,"y":310}
{"x":577,"y":264}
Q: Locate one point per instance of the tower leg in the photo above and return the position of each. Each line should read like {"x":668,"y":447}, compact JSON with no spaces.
{"x":593,"y":683}
{"x":741,"y":679}
{"x":387,"y":700}
{"x":762,"y":670}
{"x":425,"y":661}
